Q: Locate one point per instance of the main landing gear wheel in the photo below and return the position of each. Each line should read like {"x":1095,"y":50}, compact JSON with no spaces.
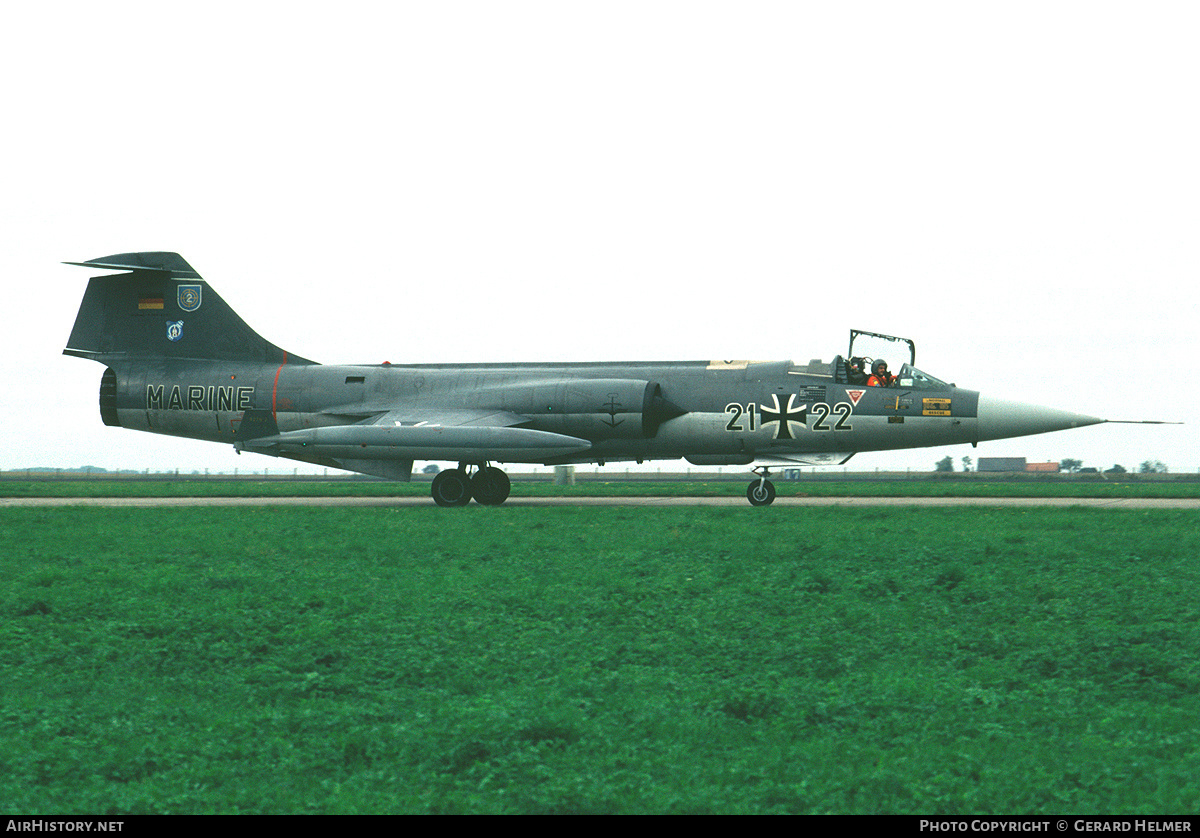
{"x":490,"y":486}
{"x":451,"y":487}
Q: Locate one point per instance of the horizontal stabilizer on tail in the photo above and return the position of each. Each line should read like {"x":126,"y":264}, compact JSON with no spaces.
{"x":164,"y":262}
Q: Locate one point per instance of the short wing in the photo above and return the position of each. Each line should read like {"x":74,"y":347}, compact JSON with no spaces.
{"x":833,"y":458}
{"x":469,"y":436}
{"x":448,"y":418}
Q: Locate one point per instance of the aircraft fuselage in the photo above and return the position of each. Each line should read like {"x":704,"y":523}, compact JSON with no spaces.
{"x":180,"y":361}
{"x":726,"y":413}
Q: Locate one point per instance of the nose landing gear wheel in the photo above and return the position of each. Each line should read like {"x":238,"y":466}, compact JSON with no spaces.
{"x":451,"y":487}
{"x":760,"y":492}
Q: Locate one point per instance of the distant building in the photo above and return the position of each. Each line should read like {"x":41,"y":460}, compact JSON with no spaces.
{"x":1015,"y":464}
{"x":1001,"y":464}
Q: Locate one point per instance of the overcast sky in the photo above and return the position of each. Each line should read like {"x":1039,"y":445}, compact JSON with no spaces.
{"x":1013,"y":185}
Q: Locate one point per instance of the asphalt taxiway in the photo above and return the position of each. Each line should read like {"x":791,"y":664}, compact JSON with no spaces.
{"x":732,"y":501}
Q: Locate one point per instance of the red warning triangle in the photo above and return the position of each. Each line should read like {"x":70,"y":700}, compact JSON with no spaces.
{"x":855,"y":395}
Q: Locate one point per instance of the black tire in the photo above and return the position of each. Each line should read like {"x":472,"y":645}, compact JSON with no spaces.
{"x":760,"y":493}
{"x":490,"y":486}
{"x":451,"y":487}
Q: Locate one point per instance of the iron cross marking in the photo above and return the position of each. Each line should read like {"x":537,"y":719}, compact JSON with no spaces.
{"x":783,"y":417}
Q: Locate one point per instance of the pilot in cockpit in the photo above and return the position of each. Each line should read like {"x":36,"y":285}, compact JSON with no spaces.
{"x":856,"y":371}
{"x":880,"y":377}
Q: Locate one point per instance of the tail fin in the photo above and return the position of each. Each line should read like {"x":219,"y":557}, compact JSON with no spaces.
{"x":161,"y":308}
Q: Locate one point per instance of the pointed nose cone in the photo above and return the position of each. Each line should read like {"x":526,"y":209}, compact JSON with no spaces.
{"x":1000,"y":419}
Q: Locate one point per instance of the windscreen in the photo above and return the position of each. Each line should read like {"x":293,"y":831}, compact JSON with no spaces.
{"x":915,"y":379}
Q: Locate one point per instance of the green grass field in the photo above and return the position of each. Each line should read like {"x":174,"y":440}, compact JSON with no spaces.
{"x":683,"y":660}
{"x":927,"y":487}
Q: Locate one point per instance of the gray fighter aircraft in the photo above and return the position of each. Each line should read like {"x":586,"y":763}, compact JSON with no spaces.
{"x":179,"y":361}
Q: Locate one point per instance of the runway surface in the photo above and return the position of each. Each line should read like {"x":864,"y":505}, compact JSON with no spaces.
{"x":157,"y":503}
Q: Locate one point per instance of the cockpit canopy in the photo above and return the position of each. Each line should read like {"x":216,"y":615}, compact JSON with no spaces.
{"x":866,"y":347}
{"x":909,"y":376}
{"x":855,"y":367}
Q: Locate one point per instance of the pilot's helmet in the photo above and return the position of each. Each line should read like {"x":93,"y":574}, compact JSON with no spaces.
{"x":879,"y":366}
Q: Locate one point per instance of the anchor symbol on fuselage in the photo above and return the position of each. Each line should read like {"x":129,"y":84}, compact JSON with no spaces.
{"x":613,"y":406}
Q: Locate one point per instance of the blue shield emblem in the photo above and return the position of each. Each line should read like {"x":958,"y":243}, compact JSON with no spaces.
{"x":188,"y":297}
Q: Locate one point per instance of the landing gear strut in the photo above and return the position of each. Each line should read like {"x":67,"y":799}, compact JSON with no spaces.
{"x":761,"y":492}
{"x":456,"y":486}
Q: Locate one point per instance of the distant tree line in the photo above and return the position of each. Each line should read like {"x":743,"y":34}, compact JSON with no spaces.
{"x":1070,"y":466}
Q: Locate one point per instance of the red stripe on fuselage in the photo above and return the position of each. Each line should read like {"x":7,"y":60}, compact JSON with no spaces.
{"x":275,"y":387}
